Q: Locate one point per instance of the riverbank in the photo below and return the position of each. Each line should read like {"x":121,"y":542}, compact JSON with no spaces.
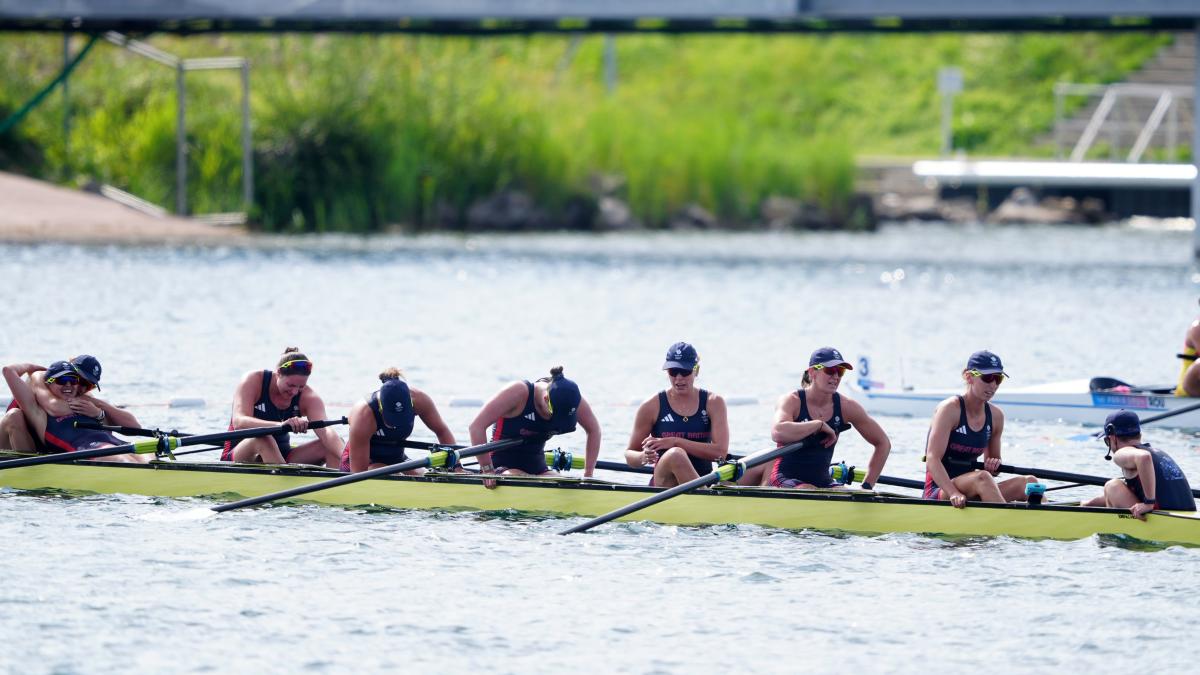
{"x":36,"y":211}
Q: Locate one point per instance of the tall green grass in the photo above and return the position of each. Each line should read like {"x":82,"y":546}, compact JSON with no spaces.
{"x":355,"y":133}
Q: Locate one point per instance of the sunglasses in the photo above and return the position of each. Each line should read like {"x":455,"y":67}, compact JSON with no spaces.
{"x":833,"y":371}
{"x":990,"y":378}
{"x":679,"y":372}
{"x":64,"y":380}
{"x":297,"y":367}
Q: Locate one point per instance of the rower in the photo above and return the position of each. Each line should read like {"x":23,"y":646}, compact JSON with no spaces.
{"x":1152,"y":480}
{"x":534,"y":411}
{"x":55,"y":399}
{"x":1189,"y":374}
{"x":963,"y":429}
{"x":681,"y":430}
{"x":385,"y":419}
{"x":264,"y":398}
{"x":817,"y":414}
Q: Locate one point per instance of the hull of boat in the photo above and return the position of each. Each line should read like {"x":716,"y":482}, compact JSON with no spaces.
{"x":830,"y":510}
{"x":1060,"y":401}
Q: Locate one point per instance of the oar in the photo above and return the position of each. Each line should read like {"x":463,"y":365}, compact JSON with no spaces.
{"x":728,"y":471}
{"x":859,"y":475}
{"x":1064,"y":476}
{"x":448,"y":457}
{"x":127,"y":431}
{"x":555,"y":459}
{"x":1146,"y":420}
{"x":163,"y":444}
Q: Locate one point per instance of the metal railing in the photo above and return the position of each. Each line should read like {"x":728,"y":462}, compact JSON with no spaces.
{"x":1119,"y":118}
{"x":182,"y":66}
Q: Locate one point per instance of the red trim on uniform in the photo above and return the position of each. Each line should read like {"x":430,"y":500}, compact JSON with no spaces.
{"x":57,"y":442}
{"x":499,"y":429}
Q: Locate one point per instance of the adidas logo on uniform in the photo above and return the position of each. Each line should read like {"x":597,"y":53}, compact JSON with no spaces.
{"x":530,"y":417}
{"x":261,"y":407}
{"x":961,"y":430}
{"x":667,"y":418}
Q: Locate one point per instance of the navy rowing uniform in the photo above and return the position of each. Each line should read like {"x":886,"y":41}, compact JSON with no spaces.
{"x":1171,"y":489}
{"x":963,"y":448}
{"x":264,"y":409}
{"x":61,"y":434}
{"x":529,"y":456}
{"x":810,"y":464}
{"x":694,"y":427}
{"x":385,"y":442}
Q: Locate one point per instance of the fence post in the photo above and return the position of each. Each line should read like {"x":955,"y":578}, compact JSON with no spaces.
{"x":180,"y":141}
{"x":247,"y":147}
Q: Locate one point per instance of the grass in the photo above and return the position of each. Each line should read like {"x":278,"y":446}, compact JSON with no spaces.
{"x":353,"y":133}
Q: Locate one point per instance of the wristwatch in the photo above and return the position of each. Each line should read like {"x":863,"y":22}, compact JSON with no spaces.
{"x":100,"y":418}
{"x":1150,"y":502}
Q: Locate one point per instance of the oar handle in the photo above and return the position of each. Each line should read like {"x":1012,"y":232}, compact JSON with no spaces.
{"x":141,"y":447}
{"x":127,"y":431}
{"x":242,"y":434}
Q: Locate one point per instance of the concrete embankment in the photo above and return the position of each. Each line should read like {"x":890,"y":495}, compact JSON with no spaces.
{"x":35,"y":211}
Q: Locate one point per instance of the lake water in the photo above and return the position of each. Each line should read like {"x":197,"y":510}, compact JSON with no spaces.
{"x":106,"y":584}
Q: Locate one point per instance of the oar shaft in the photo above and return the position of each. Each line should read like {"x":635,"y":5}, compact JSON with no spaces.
{"x":127,"y":431}
{"x":724,"y":472}
{"x":254,"y":432}
{"x":139,"y":447}
{"x":434,"y":459}
{"x":1177,"y":411}
{"x":1060,"y":475}
{"x":577,"y":462}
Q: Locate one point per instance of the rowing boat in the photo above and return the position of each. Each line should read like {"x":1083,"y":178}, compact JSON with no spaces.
{"x":828,"y":510}
{"x":1075,"y":401}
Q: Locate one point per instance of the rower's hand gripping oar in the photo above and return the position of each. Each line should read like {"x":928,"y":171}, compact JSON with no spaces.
{"x":727,"y":471}
{"x":438,"y":458}
{"x":1059,"y":475}
{"x":162,"y":445}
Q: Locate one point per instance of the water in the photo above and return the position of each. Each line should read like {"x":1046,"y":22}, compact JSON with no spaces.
{"x":106,"y":584}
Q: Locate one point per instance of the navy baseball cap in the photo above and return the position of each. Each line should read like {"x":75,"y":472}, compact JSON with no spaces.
{"x":395,"y":403}
{"x":681,"y":355}
{"x":986,"y":363}
{"x":88,"y":368}
{"x":1122,"y":423}
{"x":59,"y":368}
{"x":564,"y":404}
{"x":828,"y":357}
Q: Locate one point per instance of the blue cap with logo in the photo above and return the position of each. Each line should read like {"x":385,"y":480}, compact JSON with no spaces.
{"x":828,"y":357}
{"x":395,"y":403}
{"x":681,"y":355}
{"x":564,"y":404}
{"x":1122,"y":423}
{"x":88,"y":368}
{"x":986,"y":363}
{"x":59,"y":368}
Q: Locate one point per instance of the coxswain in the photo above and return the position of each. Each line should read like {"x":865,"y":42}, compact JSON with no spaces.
{"x":533,"y":411}
{"x":817,"y":415}
{"x":266,"y":398}
{"x":380,"y":424}
{"x":681,"y":430}
{"x":50,"y":417}
{"x":1152,"y":480}
{"x":964,"y":429}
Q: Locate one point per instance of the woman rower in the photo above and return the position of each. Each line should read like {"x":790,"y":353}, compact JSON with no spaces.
{"x":533,"y":411}
{"x":380,"y":424}
{"x":682,"y":430}
{"x":963,"y":429}
{"x":67,"y":388}
{"x":817,"y":414}
{"x":1189,"y":374}
{"x":264,"y":398}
